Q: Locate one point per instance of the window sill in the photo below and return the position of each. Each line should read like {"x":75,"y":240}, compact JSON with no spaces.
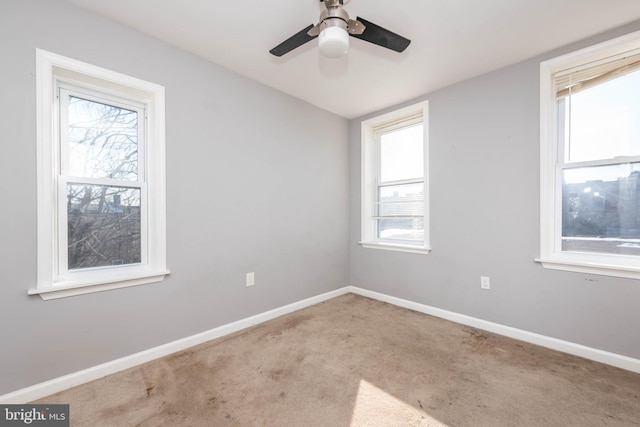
{"x":591,"y":267}
{"x":66,"y":289}
{"x":395,"y":247}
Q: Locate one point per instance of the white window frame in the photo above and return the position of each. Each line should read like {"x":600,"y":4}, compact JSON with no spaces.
{"x":53,"y":73}
{"x":551,"y":255}
{"x":369,"y":179}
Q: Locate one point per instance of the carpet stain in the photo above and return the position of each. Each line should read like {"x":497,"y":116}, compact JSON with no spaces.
{"x":294,"y":322}
{"x":286,"y":326}
{"x":220,"y":362}
{"x":150,"y":390}
{"x":279,"y":374}
{"x":479,"y":340}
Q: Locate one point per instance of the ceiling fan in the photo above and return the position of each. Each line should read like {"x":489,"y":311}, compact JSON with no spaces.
{"x":333,"y":31}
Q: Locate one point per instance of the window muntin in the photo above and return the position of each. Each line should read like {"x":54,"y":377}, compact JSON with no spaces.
{"x":394,"y":205}
{"x":101,"y":179}
{"x":590,"y":160}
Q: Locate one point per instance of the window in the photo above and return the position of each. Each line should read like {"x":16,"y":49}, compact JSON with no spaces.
{"x":394,"y":188}
{"x":101,"y":183}
{"x":590,"y":160}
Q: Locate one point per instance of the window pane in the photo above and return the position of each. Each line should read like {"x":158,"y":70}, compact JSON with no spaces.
{"x":401,"y":154}
{"x":103,"y":226}
{"x":103,"y":140}
{"x":603,"y":120}
{"x":398,"y":202}
{"x":402,"y":229}
{"x":601,"y":209}
{"x":403,"y":200}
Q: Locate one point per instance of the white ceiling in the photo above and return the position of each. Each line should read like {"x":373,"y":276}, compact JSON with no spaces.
{"x":452,"y":40}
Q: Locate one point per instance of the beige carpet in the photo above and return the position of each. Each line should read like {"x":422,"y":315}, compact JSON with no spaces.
{"x":353,"y":361}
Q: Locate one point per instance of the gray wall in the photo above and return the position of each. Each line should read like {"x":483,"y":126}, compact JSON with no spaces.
{"x":256,"y":181}
{"x":484,"y":160}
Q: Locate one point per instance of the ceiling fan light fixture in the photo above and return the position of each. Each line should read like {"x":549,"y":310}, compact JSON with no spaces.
{"x":333,"y":32}
{"x":333,"y":42}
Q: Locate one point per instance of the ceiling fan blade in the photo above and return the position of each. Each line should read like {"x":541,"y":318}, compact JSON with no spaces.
{"x":381,"y":36}
{"x":293,"y":42}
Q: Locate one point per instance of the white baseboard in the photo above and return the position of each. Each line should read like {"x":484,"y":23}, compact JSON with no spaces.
{"x":613,"y":359}
{"x":56,"y":385}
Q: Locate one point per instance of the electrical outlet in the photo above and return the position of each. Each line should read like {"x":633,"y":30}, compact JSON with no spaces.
{"x":251,"y":279}
{"x":485,"y":283}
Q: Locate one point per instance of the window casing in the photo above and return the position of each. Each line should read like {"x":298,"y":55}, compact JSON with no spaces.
{"x":590,"y":160}
{"x":394,"y":181}
{"x":101,"y":179}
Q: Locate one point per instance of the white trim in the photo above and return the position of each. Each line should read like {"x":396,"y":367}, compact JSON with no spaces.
{"x":107,"y":283}
{"x":396,"y":248}
{"x":581,"y":266}
{"x":607,"y":49}
{"x":56,"y":385}
{"x":613,"y":359}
